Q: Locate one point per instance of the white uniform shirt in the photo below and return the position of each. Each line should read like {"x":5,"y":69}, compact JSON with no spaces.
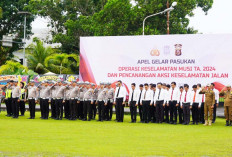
{"x":135,"y":96}
{"x":161,"y":94}
{"x":173,"y":95}
{"x":147,"y":95}
{"x":216,"y":95}
{"x":186,"y":97}
{"x":121,"y":94}
{"x":198,"y":97}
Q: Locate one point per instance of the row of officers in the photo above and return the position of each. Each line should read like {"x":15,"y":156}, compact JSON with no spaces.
{"x":156,"y":103}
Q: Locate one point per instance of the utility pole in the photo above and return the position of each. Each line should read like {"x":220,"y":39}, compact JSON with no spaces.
{"x":24,"y":38}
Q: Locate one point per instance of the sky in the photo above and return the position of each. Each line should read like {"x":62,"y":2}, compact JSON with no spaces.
{"x":217,"y":21}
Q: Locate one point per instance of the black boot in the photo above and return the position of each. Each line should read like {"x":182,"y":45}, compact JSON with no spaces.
{"x":230,"y":123}
{"x":227,"y":123}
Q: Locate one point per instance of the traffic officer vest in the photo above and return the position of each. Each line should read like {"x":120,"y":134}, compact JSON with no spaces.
{"x":22,"y":94}
{"x":8,"y":93}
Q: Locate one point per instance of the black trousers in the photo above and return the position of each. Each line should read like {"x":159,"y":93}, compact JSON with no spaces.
{"x":186,"y":111}
{"x":195,"y":112}
{"x":166,"y":111}
{"x":152,"y":114}
{"x":66,"y":109}
{"x":80,"y":113}
{"x":53,"y":108}
{"x":141,"y":112}
{"x":173,"y":111}
{"x":133,"y":111}
{"x":100,"y":110}
{"x":15,"y":107}
{"x":22,"y":107}
{"x":146,"y":112}
{"x":44,"y":104}
{"x":109,"y":110}
{"x":9,"y":106}
{"x":180,"y":113}
{"x":32,"y":107}
{"x":214,"y":112}
{"x":94,"y":109}
{"x":201,"y":112}
{"x":87,"y":110}
{"x":119,"y":109}
{"x":159,"y":111}
{"x":59,"y":108}
{"x":73,"y":108}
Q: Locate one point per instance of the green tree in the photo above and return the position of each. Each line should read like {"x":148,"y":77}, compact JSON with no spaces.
{"x":62,"y":63}
{"x":72,"y":19}
{"x":12,"y":23}
{"x":59,"y":12}
{"x":12,"y":68}
{"x":36,"y":56}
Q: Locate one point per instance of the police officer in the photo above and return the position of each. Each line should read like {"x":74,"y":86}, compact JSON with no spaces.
{"x":146,"y":101}
{"x":95,"y":94}
{"x":173,"y":103}
{"x":53,"y":107}
{"x":16,"y":93}
{"x":88,"y":101}
{"x":73,"y":98}
{"x":22,"y":99}
{"x":209,"y":103}
{"x":186,"y":102}
{"x":227,"y":104}
{"x":45,"y":98}
{"x":32,"y":97}
{"x":119,"y":101}
{"x":160,"y":99}
{"x":8,"y":98}
{"x":82,"y":91}
{"x":216,"y":92}
{"x":67,"y":95}
{"x":133,"y":102}
{"x":110,"y":100}
{"x":140,"y":104}
{"x":60,"y":96}
{"x":101,"y":101}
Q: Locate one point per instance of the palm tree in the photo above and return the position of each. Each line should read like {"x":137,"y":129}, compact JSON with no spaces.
{"x":37,"y":55}
{"x":62,"y":63}
{"x":12,"y":68}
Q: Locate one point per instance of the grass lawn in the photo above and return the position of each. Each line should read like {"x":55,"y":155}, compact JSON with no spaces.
{"x":24,"y":137}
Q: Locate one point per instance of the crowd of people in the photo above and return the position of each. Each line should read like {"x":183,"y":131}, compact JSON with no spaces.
{"x":156,"y":103}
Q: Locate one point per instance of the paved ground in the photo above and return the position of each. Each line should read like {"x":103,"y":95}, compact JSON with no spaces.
{"x":220,"y":110}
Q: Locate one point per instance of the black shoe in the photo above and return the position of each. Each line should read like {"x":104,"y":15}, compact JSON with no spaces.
{"x":227,"y":123}
{"x":196,"y":123}
{"x":89,"y":119}
{"x":33,"y":118}
{"x":29,"y":118}
{"x":213,"y":121}
{"x":56,"y":118}
{"x":171,"y":123}
{"x":174,"y":123}
{"x":193,"y":123}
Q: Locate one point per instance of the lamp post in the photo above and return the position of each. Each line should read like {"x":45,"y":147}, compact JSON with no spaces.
{"x":162,"y":12}
{"x":24,"y":38}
